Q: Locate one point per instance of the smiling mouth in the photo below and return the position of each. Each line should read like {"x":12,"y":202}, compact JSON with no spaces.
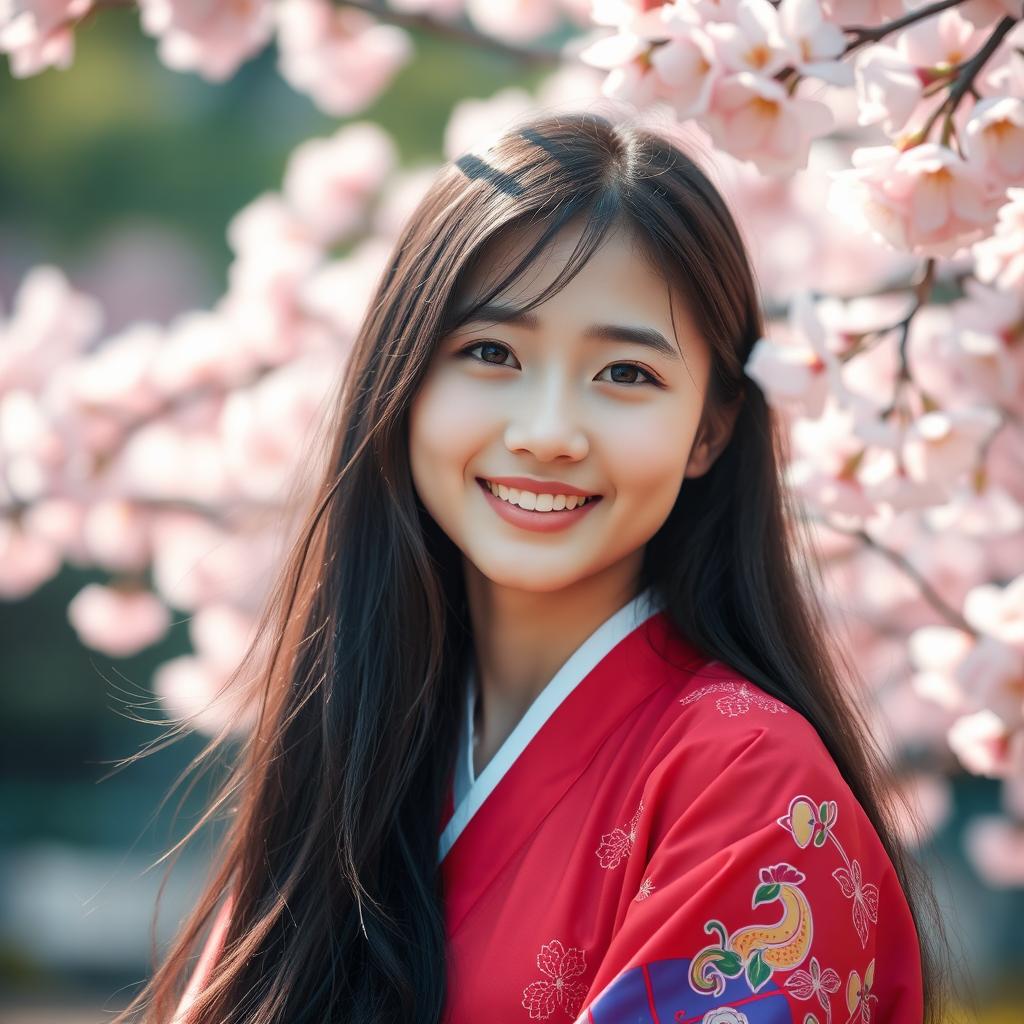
{"x":581,"y":502}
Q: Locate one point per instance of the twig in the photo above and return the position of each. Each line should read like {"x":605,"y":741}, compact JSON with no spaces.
{"x":873,"y":35}
{"x":928,"y":592}
{"x":922,"y":290}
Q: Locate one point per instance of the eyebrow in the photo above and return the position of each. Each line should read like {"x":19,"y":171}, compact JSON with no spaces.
{"x":497,"y":312}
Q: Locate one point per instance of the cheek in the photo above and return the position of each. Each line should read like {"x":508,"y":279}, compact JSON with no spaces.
{"x":650,"y":452}
{"x":446,"y":425}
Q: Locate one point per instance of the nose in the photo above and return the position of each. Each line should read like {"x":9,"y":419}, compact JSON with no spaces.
{"x":548,"y":426}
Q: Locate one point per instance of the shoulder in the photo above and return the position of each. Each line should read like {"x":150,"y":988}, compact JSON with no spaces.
{"x":731,"y":753}
{"x":715,"y":717}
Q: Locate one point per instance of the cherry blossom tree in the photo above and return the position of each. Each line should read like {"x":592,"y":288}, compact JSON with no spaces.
{"x":873,"y":152}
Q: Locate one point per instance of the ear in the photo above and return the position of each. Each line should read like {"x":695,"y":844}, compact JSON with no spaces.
{"x":713,"y":435}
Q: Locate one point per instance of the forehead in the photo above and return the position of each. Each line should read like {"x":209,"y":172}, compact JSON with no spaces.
{"x":618,"y":278}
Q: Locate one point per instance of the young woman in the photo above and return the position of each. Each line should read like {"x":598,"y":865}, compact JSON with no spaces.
{"x":550,"y":728}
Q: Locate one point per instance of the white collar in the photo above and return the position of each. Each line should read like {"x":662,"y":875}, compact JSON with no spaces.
{"x":469,"y":793}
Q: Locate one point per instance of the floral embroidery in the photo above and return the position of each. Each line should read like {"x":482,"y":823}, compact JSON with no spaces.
{"x":724,"y":1015}
{"x":759,"y":949}
{"x":616,"y":845}
{"x":865,"y":897}
{"x":813,"y":824}
{"x":858,"y":994}
{"x":808,"y":823}
{"x":645,"y":890}
{"x":561,"y":965}
{"x":738,"y":699}
{"x":815,"y":982}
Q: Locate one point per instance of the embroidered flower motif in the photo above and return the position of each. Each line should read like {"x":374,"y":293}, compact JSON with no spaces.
{"x":858,"y":993}
{"x":807,"y":823}
{"x":737,"y":700}
{"x":781,"y":873}
{"x":724,"y":1015}
{"x":815,"y":982}
{"x":561,"y":965}
{"x":865,"y":898}
{"x":645,"y":890}
{"x":616,"y":845}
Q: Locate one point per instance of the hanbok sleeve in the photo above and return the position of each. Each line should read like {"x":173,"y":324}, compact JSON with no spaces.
{"x":211,"y":950}
{"x":760,"y":892}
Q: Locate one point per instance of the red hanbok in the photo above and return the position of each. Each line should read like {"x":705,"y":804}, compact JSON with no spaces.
{"x":658,"y":841}
{"x":667,"y":843}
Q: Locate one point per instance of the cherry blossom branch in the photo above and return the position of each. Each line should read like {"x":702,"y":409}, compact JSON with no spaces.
{"x":964,"y":82}
{"x":922,"y":291}
{"x":874,"y":34}
{"x":901,"y":562}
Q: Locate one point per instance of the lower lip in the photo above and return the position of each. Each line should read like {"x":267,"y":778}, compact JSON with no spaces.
{"x":542,"y":522}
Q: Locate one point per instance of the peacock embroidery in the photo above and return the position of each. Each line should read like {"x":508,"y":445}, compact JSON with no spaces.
{"x":758,"y":950}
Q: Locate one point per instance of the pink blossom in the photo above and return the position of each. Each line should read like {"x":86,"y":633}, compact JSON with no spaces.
{"x":993,"y":512}
{"x":26,"y":561}
{"x":862,"y":12}
{"x":474,"y":125}
{"x":50,"y":323}
{"x":199,"y":350}
{"x":59,"y":522}
{"x":210,"y":37}
{"x":342,"y":58}
{"x":984,"y":13}
{"x":942,"y":445}
{"x":117,"y":622}
{"x":994,"y":137}
{"x":804,"y":372}
{"x":754,"y":118}
{"x":998,"y":611}
{"x":337,"y":293}
{"x":943,"y":41}
{"x":32,"y":448}
{"x":687,"y":69}
{"x":221,"y":635}
{"x":999,"y":260}
{"x":817,"y":43}
{"x":752,"y":41}
{"x":328,"y":182}
{"x":888,"y":87}
{"x":264,"y":426}
{"x":985,"y":746}
{"x":194,"y":692}
{"x":926,"y":200}
{"x":116,"y":535}
{"x":37,"y":34}
{"x":116,"y":375}
{"x":518,"y":21}
{"x":995,"y":847}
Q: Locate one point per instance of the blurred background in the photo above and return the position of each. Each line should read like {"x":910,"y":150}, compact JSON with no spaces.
{"x":125,"y":174}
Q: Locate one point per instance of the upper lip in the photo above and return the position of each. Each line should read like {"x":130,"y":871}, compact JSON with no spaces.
{"x":525,"y":483}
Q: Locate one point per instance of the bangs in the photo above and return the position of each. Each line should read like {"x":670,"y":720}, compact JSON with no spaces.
{"x":603,"y":213}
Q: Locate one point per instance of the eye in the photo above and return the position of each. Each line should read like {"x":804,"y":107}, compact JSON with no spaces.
{"x":492,"y":345}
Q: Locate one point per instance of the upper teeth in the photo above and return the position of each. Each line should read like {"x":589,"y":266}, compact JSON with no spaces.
{"x":537,"y":502}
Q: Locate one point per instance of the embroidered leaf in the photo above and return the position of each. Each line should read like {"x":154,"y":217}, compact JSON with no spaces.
{"x":823,"y":812}
{"x":765,"y":893}
{"x":758,"y":972}
{"x":819,"y":839}
{"x":714,"y":927}
{"x":730,"y":963}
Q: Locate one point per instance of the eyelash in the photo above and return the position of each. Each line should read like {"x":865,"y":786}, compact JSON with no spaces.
{"x":647,"y":373}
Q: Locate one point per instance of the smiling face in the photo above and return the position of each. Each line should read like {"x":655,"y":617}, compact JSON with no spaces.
{"x":562,"y":397}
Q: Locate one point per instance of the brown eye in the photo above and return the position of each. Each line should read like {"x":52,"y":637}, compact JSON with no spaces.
{"x":492,"y":346}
